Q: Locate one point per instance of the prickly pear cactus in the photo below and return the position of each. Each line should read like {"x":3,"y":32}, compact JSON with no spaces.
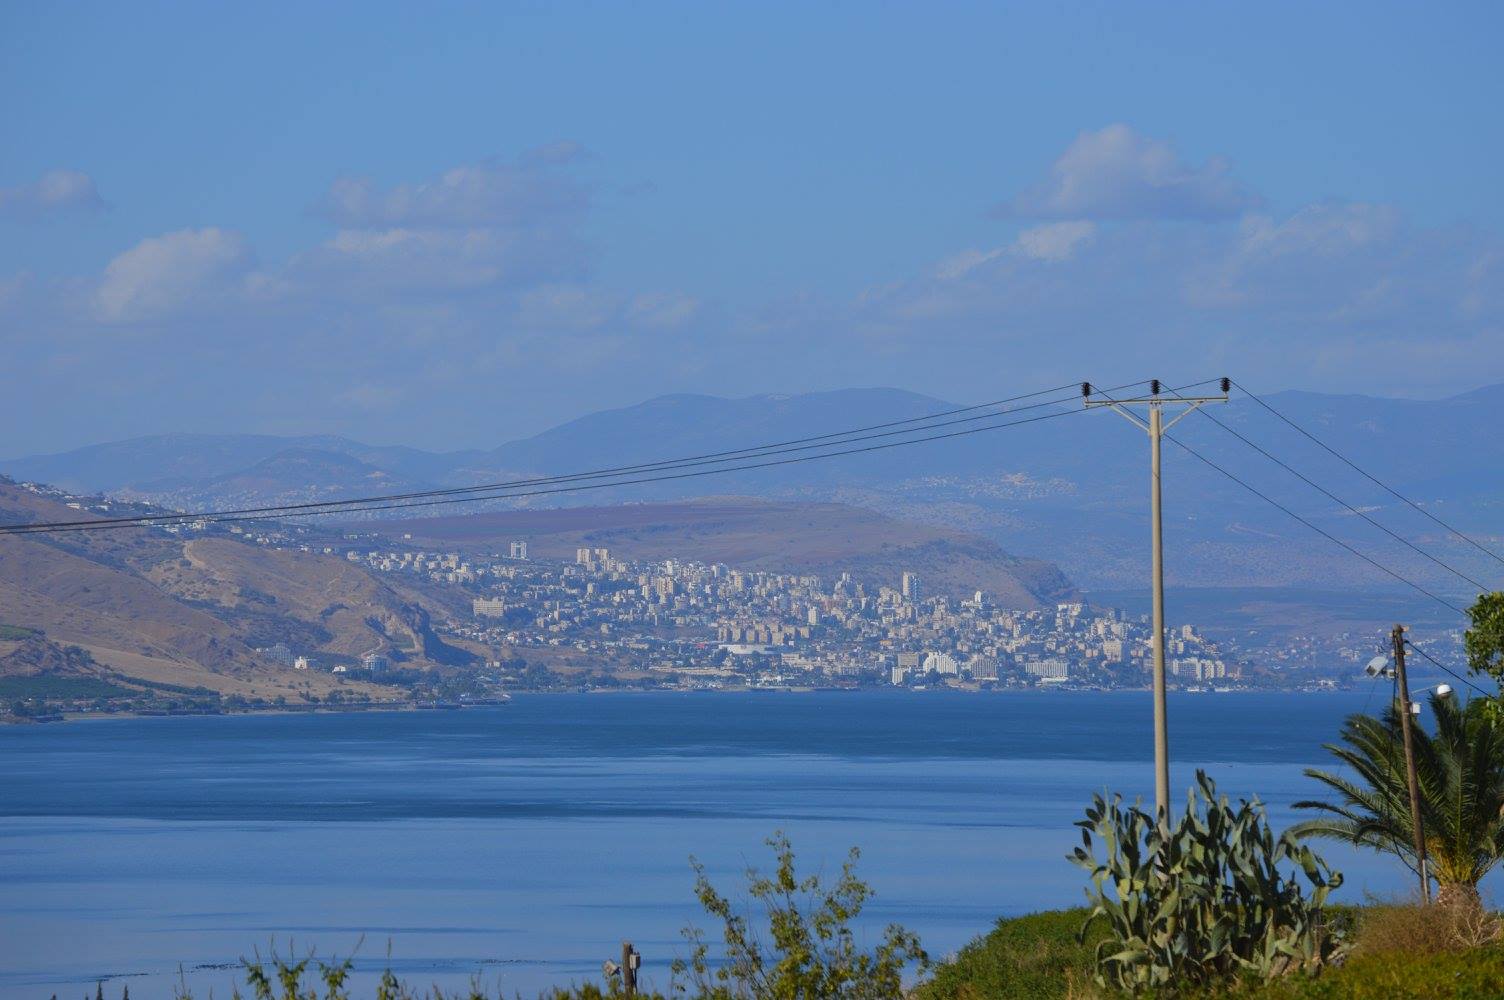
{"x":1217,"y":896}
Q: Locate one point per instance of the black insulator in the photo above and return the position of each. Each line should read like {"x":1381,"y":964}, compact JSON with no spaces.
{"x":1154,"y":387}
{"x":1226,"y":385}
{"x":1085,"y":389}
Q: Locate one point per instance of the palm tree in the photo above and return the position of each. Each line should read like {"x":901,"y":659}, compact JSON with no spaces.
{"x":1461,"y":780}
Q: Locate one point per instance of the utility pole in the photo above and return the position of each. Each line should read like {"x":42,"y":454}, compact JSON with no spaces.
{"x":629,"y":962}
{"x":1155,"y":427}
{"x":1407,"y":730}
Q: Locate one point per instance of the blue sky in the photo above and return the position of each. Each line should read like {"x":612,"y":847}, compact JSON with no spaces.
{"x":450,"y":225}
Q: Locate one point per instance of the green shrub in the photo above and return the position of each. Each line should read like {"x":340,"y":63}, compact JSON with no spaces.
{"x":808,"y":951}
{"x":1474,"y":974}
{"x":1205,"y":902}
{"x":811,"y":949}
{"x":1037,"y":957}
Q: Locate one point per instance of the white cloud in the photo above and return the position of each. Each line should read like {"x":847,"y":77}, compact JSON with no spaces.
{"x":532,"y":191}
{"x":961,"y":264}
{"x":1055,"y":241}
{"x":167,"y":273}
{"x":1052,"y":243}
{"x":431,"y":262}
{"x":1335,"y":288}
{"x":1115,"y":173}
{"x":1329,"y":229}
{"x":393,"y":260}
{"x":449,"y":312}
{"x":662,"y":310}
{"x":54,"y":193}
{"x":490,"y":226}
{"x":563,"y":307}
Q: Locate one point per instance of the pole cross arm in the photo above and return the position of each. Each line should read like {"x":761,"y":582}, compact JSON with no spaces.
{"x":1191,"y":404}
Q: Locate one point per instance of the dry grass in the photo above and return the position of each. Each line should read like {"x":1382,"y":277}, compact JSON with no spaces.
{"x":1407,"y":926}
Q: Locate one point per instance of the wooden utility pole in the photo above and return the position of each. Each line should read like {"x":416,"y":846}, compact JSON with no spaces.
{"x":1407,"y":732}
{"x":629,"y":961}
{"x":1155,"y":427}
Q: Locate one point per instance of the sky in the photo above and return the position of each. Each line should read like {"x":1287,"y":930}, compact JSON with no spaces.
{"x":452,"y":225}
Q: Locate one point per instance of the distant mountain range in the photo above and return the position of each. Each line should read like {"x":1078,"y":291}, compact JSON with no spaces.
{"x":1071,"y":490}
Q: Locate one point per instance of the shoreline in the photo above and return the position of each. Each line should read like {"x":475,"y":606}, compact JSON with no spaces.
{"x":413,"y":706}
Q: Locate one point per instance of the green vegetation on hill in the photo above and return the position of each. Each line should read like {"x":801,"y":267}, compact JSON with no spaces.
{"x":59,"y":687}
{"x":1038,"y":957}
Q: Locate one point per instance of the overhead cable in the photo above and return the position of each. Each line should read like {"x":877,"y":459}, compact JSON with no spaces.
{"x":1372,"y":478}
{"x":714,"y":458}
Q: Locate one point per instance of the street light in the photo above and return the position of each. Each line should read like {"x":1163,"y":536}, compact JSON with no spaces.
{"x":1443,"y":689}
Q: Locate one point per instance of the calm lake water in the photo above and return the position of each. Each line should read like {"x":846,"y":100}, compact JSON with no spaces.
{"x":523,"y":843}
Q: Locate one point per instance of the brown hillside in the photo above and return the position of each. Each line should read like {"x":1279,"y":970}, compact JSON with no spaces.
{"x":355,"y":611}
{"x":150,"y":605}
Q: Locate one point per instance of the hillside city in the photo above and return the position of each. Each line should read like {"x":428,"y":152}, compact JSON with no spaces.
{"x":600,"y":621}
{"x":687,"y":624}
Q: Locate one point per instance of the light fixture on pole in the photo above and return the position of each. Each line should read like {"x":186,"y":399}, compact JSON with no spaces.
{"x":1408,"y":709}
{"x":1155,"y":426}
{"x":1443,"y":689}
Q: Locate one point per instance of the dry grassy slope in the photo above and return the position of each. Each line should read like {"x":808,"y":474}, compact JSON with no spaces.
{"x":827,"y":539}
{"x":76,"y":600}
{"x":152,"y":606}
{"x":358,"y":612}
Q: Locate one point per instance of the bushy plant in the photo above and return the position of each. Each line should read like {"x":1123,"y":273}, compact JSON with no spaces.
{"x":1205,"y":900}
{"x":1424,"y":930}
{"x":811,"y":949}
{"x":1477,"y":974}
{"x":1034,"y":957}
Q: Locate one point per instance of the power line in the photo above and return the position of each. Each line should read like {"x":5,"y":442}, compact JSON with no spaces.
{"x":1370,"y":477}
{"x":278,"y":513}
{"x":711,"y":458}
{"x":1320,"y":531}
{"x":1439,"y":665}
{"x":1332,"y":496}
{"x":1331,"y":537}
{"x":1372,"y":687}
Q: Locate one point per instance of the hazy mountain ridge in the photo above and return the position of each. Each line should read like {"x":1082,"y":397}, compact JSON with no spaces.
{"x":291,"y":475}
{"x":1072,"y":490}
{"x":667,"y":426}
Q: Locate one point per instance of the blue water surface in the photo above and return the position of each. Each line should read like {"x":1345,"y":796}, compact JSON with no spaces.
{"x":522,"y":843}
